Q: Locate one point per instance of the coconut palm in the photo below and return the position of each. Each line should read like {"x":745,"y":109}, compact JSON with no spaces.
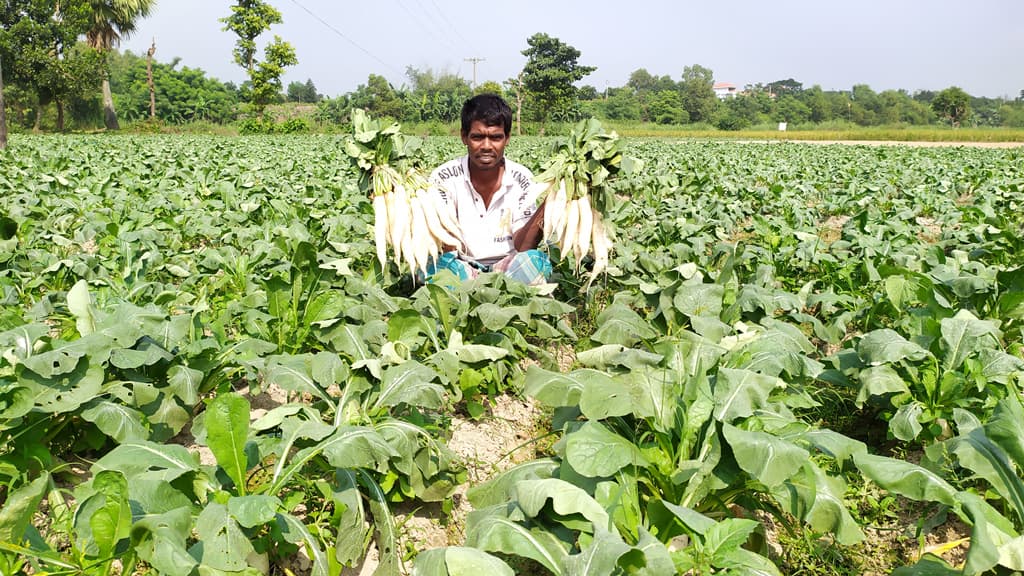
{"x":113,"y":21}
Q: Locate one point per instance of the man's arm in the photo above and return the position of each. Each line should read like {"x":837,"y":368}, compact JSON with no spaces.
{"x":529,"y":236}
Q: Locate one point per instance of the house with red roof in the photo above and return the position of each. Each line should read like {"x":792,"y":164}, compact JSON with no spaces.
{"x":724,"y":90}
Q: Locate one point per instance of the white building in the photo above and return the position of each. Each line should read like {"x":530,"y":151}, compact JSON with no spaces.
{"x":724,"y":90}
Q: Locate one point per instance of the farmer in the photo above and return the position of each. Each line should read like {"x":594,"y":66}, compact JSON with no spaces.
{"x":495,"y":204}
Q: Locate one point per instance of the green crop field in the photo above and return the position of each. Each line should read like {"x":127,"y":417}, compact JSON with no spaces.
{"x":204,"y":369}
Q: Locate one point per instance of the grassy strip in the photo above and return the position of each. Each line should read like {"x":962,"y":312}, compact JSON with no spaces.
{"x":913,"y":134}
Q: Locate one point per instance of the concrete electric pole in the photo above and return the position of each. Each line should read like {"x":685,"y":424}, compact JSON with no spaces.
{"x":474,"y":61}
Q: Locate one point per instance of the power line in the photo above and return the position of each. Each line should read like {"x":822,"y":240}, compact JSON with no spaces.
{"x":429,"y":29}
{"x":347,"y":39}
{"x":448,"y":22}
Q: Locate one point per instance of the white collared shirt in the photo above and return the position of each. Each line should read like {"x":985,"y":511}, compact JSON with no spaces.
{"x":487,"y":232}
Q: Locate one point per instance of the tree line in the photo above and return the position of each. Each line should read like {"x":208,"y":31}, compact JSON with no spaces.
{"x":62,"y":63}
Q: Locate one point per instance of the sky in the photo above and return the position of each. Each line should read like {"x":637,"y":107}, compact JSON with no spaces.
{"x":885,"y":44}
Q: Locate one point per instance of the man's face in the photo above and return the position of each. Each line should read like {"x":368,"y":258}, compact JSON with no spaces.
{"x":485,"y":145}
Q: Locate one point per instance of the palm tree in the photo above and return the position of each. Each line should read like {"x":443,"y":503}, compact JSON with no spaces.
{"x":112,"y":21}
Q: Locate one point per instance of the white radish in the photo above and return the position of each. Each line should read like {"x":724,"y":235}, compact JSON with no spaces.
{"x":420,"y":234}
{"x":559,"y":207}
{"x":586,"y":222}
{"x":380,"y":228}
{"x":439,"y":232}
{"x":445,"y":212}
{"x":602,"y":246}
{"x":572,"y":221}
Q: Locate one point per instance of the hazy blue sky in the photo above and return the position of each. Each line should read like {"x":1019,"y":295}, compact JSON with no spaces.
{"x":886,"y":44}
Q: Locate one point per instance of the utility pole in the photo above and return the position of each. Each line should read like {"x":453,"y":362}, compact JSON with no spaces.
{"x":474,"y":61}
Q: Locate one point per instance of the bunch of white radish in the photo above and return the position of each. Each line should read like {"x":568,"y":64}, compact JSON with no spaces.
{"x":577,"y":193}
{"x":409,"y":214}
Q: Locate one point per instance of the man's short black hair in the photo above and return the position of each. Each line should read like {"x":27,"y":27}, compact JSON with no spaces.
{"x":490,"y":109}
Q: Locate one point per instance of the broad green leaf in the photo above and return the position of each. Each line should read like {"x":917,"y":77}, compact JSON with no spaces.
{"x":738,"y":393}
{"x":599,"y":558}
{"x":990,"y":530}
{"x":22,"y":340}
{"x":556,"y":389}
{"x":64,"y":392}
{"x":906,"y":479}
{"x":566,"y":499}
{"x":606,"y":355}
{"x":118,"y":421}
{"x":349,"y":447}
{"x":690,"y":355}
{"x":384,"y":521}
{"x":15,"y":401}
{"x":690,"y":518}
{"x":887,"y":346}
{"x":221,"y":543}
{"x":727,"y":536}
{"x":494,"y":533}
{"x":458,"y":561}
{"x":184,"y":382}
{"x":653,"y":560}
{"x":295,"y":532}
{"x":605,"y":397}
{"x":160,"y":540}
{"x":227,"y":430}
{"x":148,"y":460}
{"x":880,"y":381}
{"x":998,"y":366}
{"x":253,"y":510}
{"x":155,"y":497}
{"x":496,"y":318}
{"x":817,"y":499}
{"x":618,"y":324}
{"x":19,"y":508}
{"x":963,"y":335}
{"x":1006,"y":428}
{"x":352,"y":528}
{"x":498,"y":489}
{"x":767,"y":458}
{"x":1011,"y":554}
{"x":978,"y":453}
{"x":595,"y":451}
{"x":105,"y":518}
{"x":699,"y":299}
{"x":410,"y":383}
{"x":294,"y":373}
{"x":328,"y":368}
{"x":905,"y":424}
{"x":832,"y":443}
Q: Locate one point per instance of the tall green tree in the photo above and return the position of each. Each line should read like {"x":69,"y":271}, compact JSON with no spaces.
{"x":552,"y":67}
{"x":697,"y":90}
{"x":303,"y":92}
{"x":266,"y":78}
{"x":953,"y":104}
{"x":378,"y":98}
{"x":113,"y":21}
{"x":248,"y":20}
{"x":39,"y":41}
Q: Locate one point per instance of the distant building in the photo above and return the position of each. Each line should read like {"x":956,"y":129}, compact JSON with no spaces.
{"x":724,"y":90}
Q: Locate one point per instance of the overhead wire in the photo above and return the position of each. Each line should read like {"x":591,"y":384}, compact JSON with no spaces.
{"x":430,"y":30}
{"x":347,"y":39}
{"x":448,"y":22}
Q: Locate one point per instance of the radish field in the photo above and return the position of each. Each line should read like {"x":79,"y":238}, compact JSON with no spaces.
{"x":787,"y":339}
